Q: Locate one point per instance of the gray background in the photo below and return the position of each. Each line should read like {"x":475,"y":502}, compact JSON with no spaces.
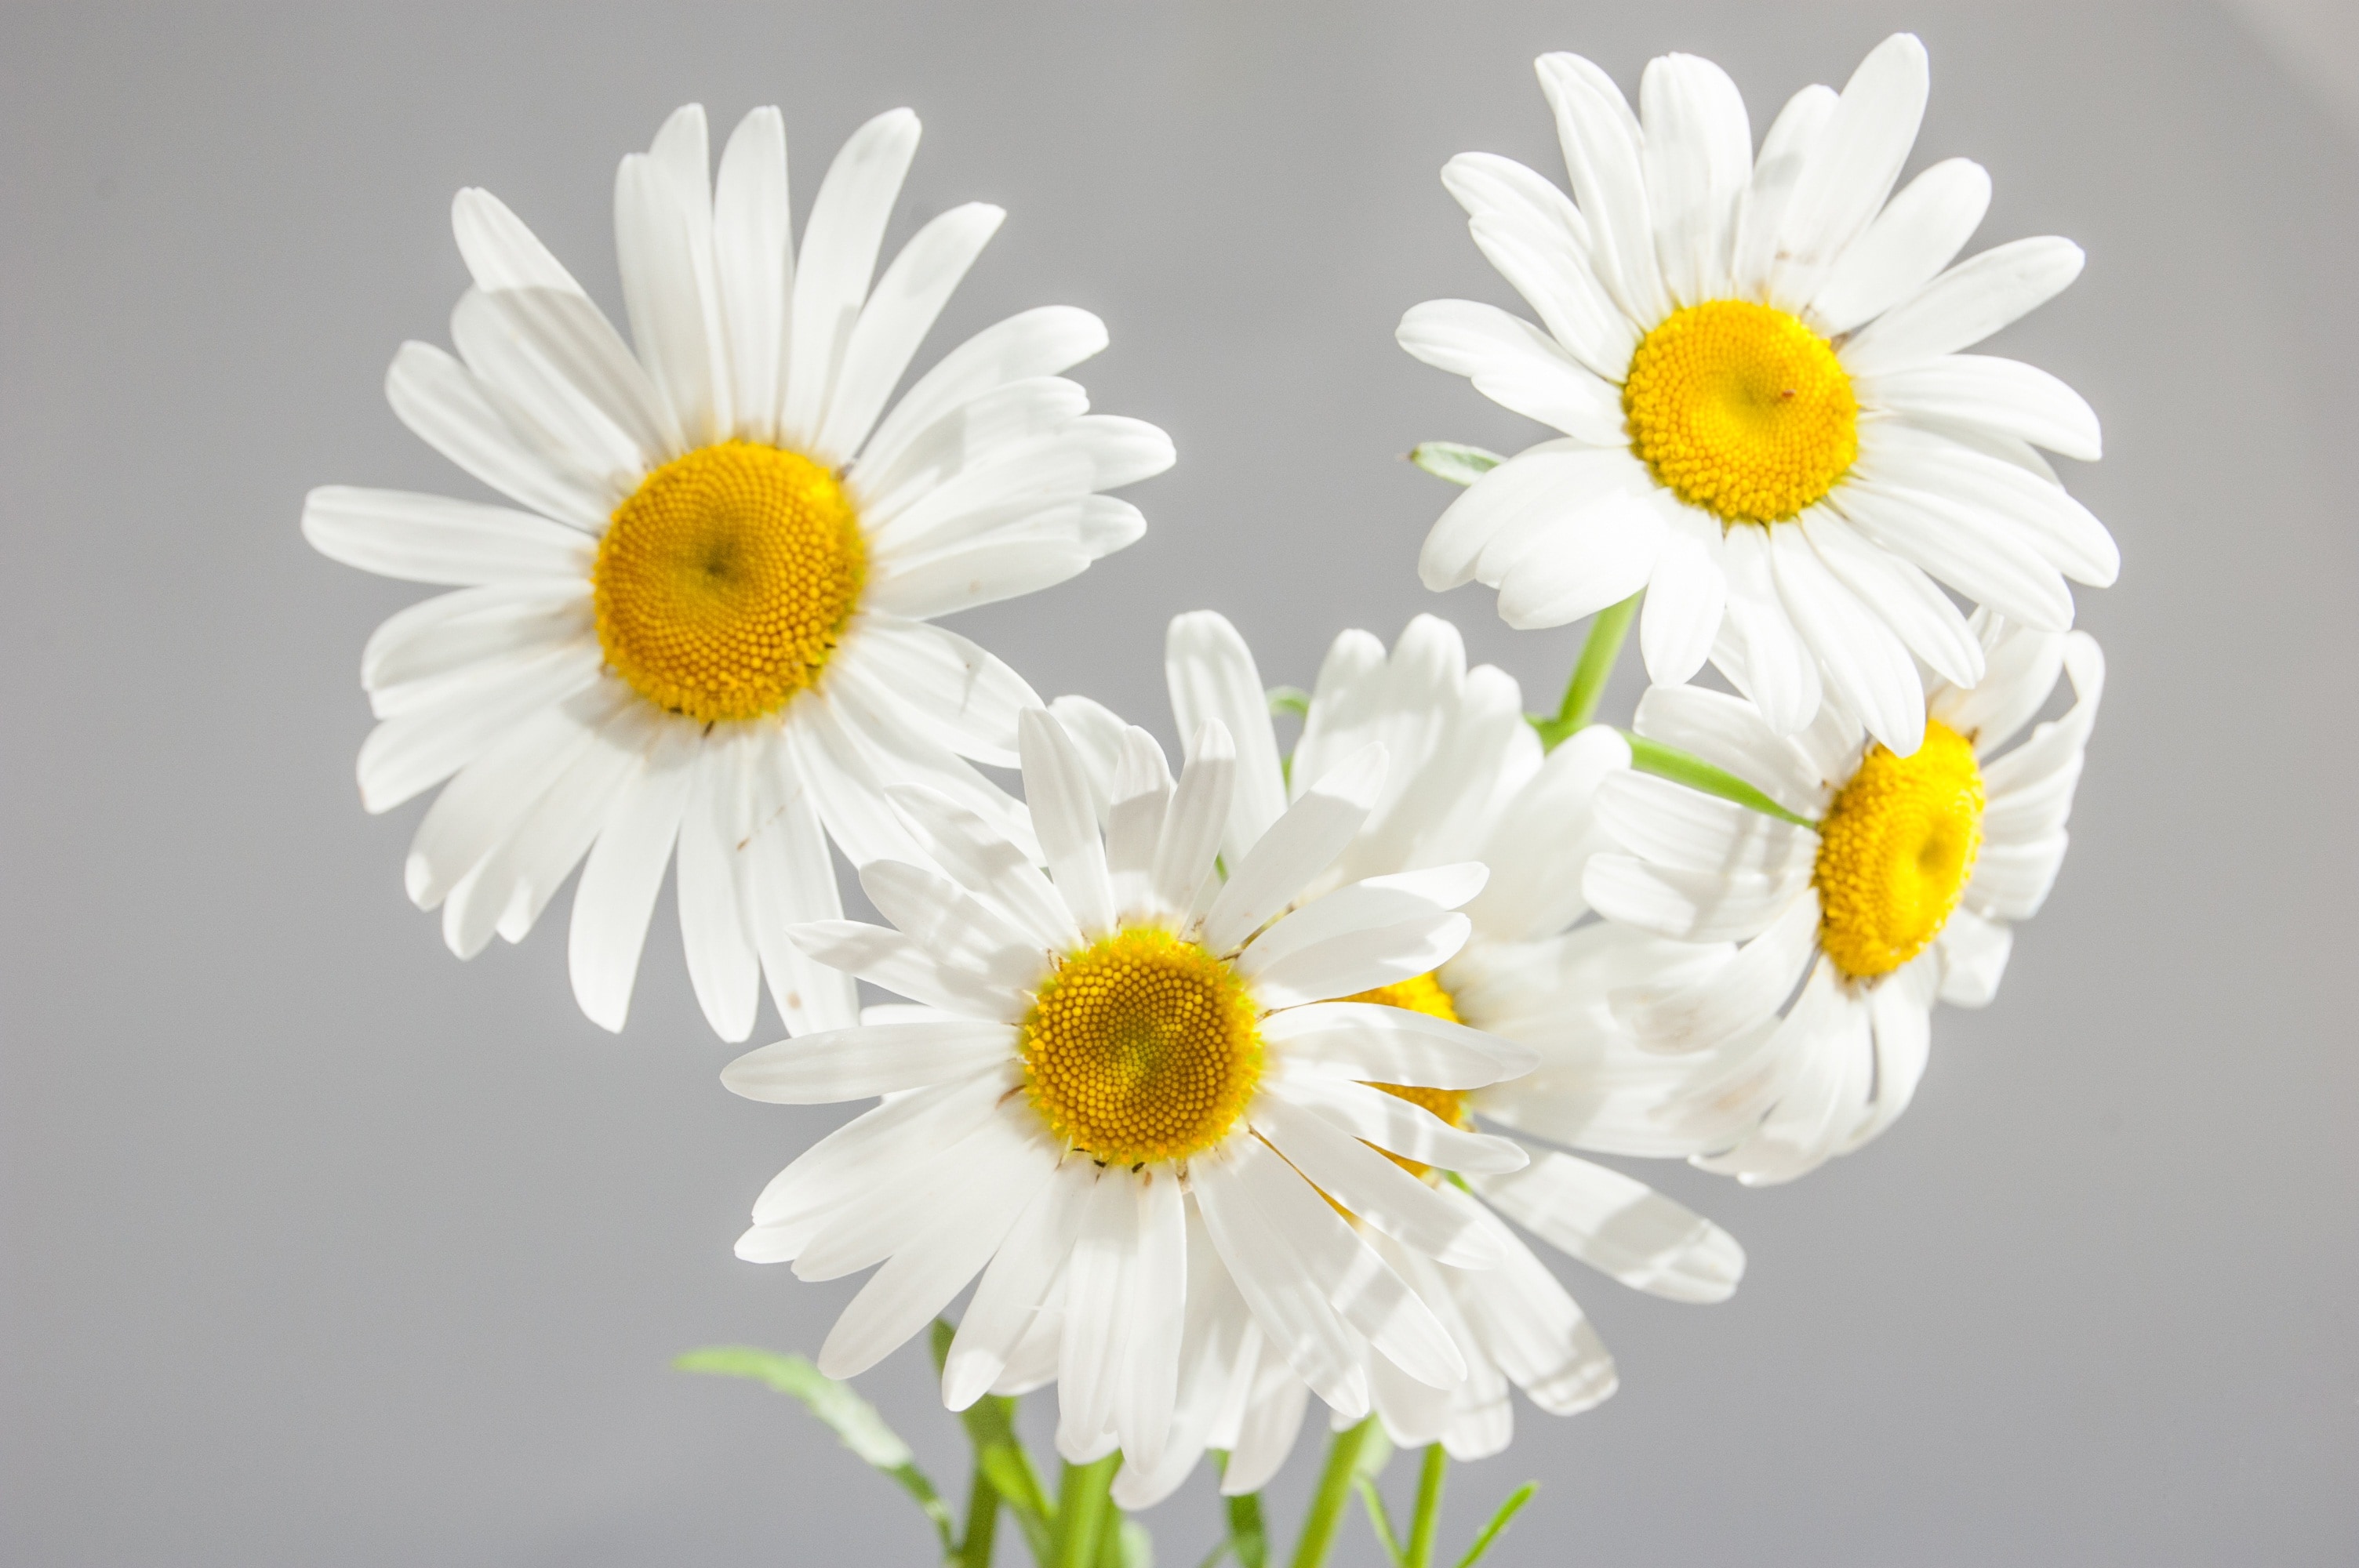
{"x":317,"y":1246}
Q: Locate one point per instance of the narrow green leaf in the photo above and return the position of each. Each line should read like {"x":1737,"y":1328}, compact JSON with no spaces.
{"x":1455,"y":461}
{"x":1681,"y":767}
{"x":852,"y":1419}
{"x":1285,"y":699}
{"x":1507,"y":1510}
{"x":1380,"y":1520}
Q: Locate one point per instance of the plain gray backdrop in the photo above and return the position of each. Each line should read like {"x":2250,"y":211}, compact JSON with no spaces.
{"x":318,"y":1246}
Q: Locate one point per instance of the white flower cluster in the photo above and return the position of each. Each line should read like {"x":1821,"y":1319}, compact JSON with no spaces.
{"x":1232,"y":1086}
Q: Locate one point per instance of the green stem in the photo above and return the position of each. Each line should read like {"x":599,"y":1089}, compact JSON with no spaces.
{"x":1335,"y":1491}
{"x":982,"y":1520}
{"x":1421,"y":1529}
{"x":1590,"y":672}
{"x":1082,"y":1508}
{"x":1682,"y":767}
{"x":1248,"y":1535}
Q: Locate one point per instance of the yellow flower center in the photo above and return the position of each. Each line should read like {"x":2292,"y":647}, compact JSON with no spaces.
{"x":1741,"y":410}
{"x":1895,"y":850}
{"x":1420,"y":993}
{"x":725,"y":581}
{"x":1141,"y":1047}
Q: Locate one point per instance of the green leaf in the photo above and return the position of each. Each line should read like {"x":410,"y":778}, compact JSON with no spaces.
{"x":852,"y":1419}
{"x":1285,"y":699}
{"x":1507,"y":1510}
{"x":1455,"y":461}
{"x":1381,"y":1520}
{"x":1681,"y":767}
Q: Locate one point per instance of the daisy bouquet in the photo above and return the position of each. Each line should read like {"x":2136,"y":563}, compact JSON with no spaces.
{"x":1216,"y":1088}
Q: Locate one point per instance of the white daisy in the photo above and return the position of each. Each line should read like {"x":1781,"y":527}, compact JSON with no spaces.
{"x":1468,"y":782}
{"x":1902,"y":891}
{"x":1109,"y":1048}
{"x":1768,"y":426}
{"x":708,"y":627}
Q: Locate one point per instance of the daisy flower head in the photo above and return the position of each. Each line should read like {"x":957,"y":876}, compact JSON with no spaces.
{"x":1122,"y":1070}
{"x":704,"y":623}
{"x":1768,"y":422}
{"x":1467,"y":782}
{"x":1895,"y":882}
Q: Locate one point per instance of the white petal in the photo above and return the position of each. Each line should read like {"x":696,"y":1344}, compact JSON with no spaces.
{"x":2012,"y":880}
{"x":998,"y":873}
{"x":2000,"y":395}
{"x":1390,"y":1122}
{"x":897,"y":317}
{"x":1369,"y":1042}
{"x":1515,"y":364}
{"x":838,"y":255}
{"x":1096,"y":451}
{"x":1541,"y":243}
{"x":1535,"y":1330}
{"x":1691,"y":906}
{"x":1697,"y":159}
{"x":1212,"y":678}
{"x":1377,"y":1192}
{"x":665,"y":266}
{"x":1045,"y":341}
{"x":431,"y":538}
{"x":968,"y":435}
{"x":786,"y":877}
{"x":617,"y":895}
{"x":1784,"y":152}
{"x":1621,"y":1227}
{"x":1729,"y":733}
{"x":875,"y":1145}
{"x":1917,"y":233}
{"x":554,"y":355}
{"x":1597,"y":557}
{"x":435,"y":649}
{"x":753,"y":264}
{"x":1759,"y":648}
{"x":1289,"y":1307}
{"x":1519,"y":504}
{"x":968,"y":1223}
{"x":1899,"y":1011}
{"x":417,"y":750}
{"x":1014,"y":1288}
{"x":1058,"y":790}
{"x":1685,"y":598}
{"x":1296,"y":848}
{"x":1140,"y":797}
{"x":1600,"y":138}
{"x":1901,"y":595}
{"x":951,"y":925}
{"x":1672,"y":825}
{"x":1192,"y":827}
{"x":1357,"y":961}
{"x":445,"y":406}
{"x":1367,"y":905}
{"x":838,"y":1064}
{"x":1973,"y":958}
{"x":1367,"y":1294}
{"x":979,"y":572}
{"x":1853,"y":164}
{"x":1539,"y":840}
{"x":1743,"y":993}
{"x":723,"y":965}
{"x":966,"y":697}
{"x":1965,"y":304}
{"x":1980,"y":556}
{"x":2063,"y":531}
{"x":890,"y":959}
{"x":1867,"y":664}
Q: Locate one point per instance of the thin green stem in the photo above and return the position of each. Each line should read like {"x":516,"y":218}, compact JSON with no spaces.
{"x":1082,"y":1507}
{"x":1682,"y":767}
{"x":1590,"y":672}
{"x":982,"y":1520}
{"x":1421,"y":1529}
{"x":1248,"y":1533}
{"x":1335,"y":1491}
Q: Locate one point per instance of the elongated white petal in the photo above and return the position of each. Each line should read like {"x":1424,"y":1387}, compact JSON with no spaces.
{"x":448,"y":409}
{"x":1371,"y":1042}
{"x":1186,"y":849}
{"x":1390,"y":1122}
{"x":754,"y":265}
{"x":1698,"y":158}
{"x":1918,"y":232}
{"x":1621,"y":1227}
{"x":1515,"y":364}
{"x":1044,"y":341}
{"x":1058,"y":789}
{"x":431,"y":538}
{"x":1686,"y":596}
{"x":1296,"y":848}
{"x":1288,"y":1305}
{"x":838,"y":255}
{"x":1359,"y":961}
{"x":1014,"y":1288}
{"x":1377,"y":1192}
{"x":417,"y":750}
{"x":1599,"y":556}
{"x":872,"y":1059}
{"x":723,"y":965}
{"x":1965,"y":304}
{"x":1212,"y":678}
{"x":896,"y":319}
{"x":617,"y":895}
{"x":1867,"y":664}
{"x":1600,"y":138}
{"x":1853,"y":164}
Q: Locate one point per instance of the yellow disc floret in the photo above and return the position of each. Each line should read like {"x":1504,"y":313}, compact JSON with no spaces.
{"x":725,"y":581}
{"x":1895,"y":850}
{"x":1141,"y":1047}
{"x":1420,"y":993}
{"x":1741,"y":410}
